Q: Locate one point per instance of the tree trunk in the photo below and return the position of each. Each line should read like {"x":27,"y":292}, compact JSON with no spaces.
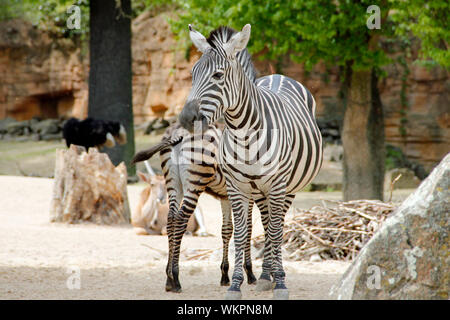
{"x":110,"y":89}
{"x":88,"y":187}
{"x":363,"y":139}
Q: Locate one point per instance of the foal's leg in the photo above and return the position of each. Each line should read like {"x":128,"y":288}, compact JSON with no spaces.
{"x":181,"y":219}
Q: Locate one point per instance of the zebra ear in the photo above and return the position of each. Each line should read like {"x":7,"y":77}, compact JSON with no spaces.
{"x":198,"y":40}
{"x":238,"y":42}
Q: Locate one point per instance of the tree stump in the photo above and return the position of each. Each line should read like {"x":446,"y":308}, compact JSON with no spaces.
{"x":88,"y":187}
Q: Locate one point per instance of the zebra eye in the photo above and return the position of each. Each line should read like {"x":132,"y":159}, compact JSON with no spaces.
{"x":218,"y":75}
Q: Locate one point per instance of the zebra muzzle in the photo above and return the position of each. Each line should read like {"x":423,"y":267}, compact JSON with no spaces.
{"x":190,"y":115}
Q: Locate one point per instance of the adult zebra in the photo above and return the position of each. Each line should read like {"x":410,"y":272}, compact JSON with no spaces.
{"x":190,"y":168}
{"x":271,"y":146}
{"x":189,"y":165}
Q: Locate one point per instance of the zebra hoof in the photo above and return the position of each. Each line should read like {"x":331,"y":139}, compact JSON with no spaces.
{"x":225,"y":281}
{"x":233,"y":295}
{"x":251,"y":279}
{"x":172,"y":287}
{"x":280,"y":294}
{"x":263,"y":285}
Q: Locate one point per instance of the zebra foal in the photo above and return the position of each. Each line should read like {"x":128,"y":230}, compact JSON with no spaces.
{"x":271,"y":146}
{"x":190,"y":168}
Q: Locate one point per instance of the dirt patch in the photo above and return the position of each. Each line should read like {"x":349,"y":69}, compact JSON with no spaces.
{"x":37,"y":256}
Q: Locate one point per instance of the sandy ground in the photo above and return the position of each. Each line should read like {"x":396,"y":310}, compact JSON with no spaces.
{"x":38,"y":259}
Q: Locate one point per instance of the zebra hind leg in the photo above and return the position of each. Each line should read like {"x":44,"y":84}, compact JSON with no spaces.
{"x":172,"y":283}
{"x":180,"y":224}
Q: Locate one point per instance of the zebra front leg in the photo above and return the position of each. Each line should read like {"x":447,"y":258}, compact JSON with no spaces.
{"x":239,"y":206}
{"x":227,"y":230}
{"x":279,"y":204}
{"x":264,"y":282}
{"x":251,"y":279}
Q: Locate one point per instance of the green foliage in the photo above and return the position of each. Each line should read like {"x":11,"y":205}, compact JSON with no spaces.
{"x":309,"y":31}
{"x":11,"y":9}
{"x":429,"y":20}
{"x":394,"y":158}
{"x":50,"y":15}
{"x":323,"y":30}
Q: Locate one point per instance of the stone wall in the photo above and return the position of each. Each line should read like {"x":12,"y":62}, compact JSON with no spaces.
{"x":45,"y":76}
{"x":161,"y":73}
{"x":39,"y":76}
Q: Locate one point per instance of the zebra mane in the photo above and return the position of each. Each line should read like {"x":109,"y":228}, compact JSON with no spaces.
{"x":222,"y":35}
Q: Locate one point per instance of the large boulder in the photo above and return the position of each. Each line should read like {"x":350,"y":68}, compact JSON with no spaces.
{"x":409,"y":257}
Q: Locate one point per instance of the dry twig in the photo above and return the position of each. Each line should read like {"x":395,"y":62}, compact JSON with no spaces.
{"x":337,"y":230}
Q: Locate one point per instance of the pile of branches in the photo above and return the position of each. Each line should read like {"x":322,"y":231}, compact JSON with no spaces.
{"x":336,"y":231}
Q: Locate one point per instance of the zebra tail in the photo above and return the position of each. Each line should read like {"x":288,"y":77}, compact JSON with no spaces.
{"x":147,"y":154}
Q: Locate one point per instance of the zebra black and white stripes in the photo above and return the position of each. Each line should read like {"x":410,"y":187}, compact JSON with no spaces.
{"x":277,"y":115}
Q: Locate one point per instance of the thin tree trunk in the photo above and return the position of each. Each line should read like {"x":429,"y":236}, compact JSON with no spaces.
{"x":110,"y":88}
{"x":363,"y":139}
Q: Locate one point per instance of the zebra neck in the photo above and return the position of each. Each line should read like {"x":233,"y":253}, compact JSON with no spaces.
{"x":246,"y":115}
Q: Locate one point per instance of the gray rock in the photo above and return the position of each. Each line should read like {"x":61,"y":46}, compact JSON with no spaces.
{"x":48,"y":126}
{"x":408,"y":258}
{"x":408,"y":179}
{"x":157,"y":125}
{"x":4,"y":123}
{"x":16,"y":128}
{"x":51,"y":136}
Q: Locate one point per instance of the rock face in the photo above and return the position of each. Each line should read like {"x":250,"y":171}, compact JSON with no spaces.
{"x":40,"y":76}
{"x":409,"y":257}
{"x":161,"y":72}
